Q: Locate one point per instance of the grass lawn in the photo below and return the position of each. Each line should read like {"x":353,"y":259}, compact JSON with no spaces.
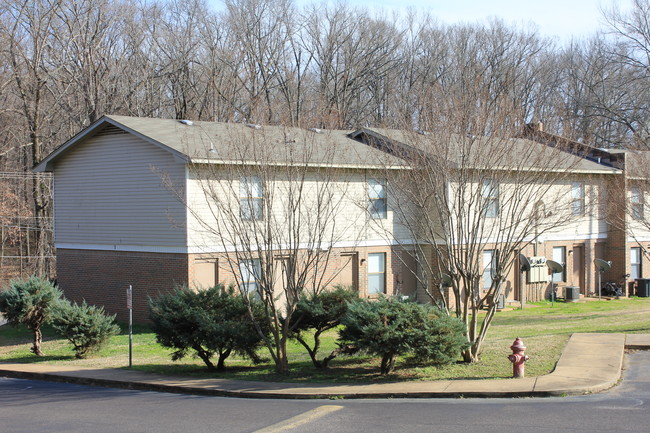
{"x":544,"y":329}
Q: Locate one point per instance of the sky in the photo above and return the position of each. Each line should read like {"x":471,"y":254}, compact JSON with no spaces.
{"x":558,"y":19}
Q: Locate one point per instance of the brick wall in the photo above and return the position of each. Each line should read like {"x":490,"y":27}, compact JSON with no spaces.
{"x":102,"y":277}
{"x":343,"y":264}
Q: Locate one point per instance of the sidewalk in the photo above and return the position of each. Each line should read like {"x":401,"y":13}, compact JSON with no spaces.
{"x":590,"y":363}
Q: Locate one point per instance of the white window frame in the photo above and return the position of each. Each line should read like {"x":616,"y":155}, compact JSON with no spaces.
{"x":377,"y":202}
{"x":636,"y":263}
{"x":489,"y":266}
{"x":559,"y":255}
{"x":577,"y":198}
{"x":251,"y":198}
{"x":250,"y":271}
{"x":637,"y":203}
{"x":490,"y":194}
{"x":376,"y":275}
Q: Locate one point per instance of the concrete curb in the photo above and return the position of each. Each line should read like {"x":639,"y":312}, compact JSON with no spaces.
{"x":590,"y":363}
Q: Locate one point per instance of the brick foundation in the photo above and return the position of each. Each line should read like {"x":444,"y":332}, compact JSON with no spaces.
{"x":102,"y":277}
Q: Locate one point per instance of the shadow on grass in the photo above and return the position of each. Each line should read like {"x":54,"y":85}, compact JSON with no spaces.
{"x":354,"y":370}
{"x":136,"y":329}
{"x":33,"y":359}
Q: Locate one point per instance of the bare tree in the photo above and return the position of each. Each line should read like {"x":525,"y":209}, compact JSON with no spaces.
{"x":473,"y":203}
{"x":28,"y":27}
{"x":272,"y":201}
{"x":354,"y":55}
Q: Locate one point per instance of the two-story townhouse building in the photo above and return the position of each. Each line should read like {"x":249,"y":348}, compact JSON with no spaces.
{"x":542,"y":199}
{"x":159,"y":203}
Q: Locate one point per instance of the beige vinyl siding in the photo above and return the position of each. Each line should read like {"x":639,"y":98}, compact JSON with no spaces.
{"x":351,"y":226}
{"x":108,"y":192}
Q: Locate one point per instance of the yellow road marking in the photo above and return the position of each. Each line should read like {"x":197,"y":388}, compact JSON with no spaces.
{"x":301,"y":419}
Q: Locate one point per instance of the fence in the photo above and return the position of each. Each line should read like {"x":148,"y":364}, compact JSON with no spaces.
{"x":26,"y":239}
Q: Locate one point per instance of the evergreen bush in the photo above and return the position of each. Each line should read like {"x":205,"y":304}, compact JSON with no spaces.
{"x":389,"y":327}
{"x":208,"y":322}
{"x":87,"y":327}
{"x":319,"y":313}
{"x":30,"y":303}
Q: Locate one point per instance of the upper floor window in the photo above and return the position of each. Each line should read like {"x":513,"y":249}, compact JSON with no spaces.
{"x":577,"y":198}
{"x":636,"y":203}
{"x":251,"y":200}
{"x":377,"y":199}
{"x":490,"y":194}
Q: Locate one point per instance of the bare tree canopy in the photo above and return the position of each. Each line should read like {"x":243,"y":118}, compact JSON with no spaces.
{"x":64,"y":63}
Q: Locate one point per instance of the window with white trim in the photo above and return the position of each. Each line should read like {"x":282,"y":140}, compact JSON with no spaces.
{"x":377,"y":206}
{"x":637,"y":203}
{"x":376,"y":273}
{"x":559,"y":255}
{"x":577,"y":198}
{"x":490,"y":194}
{"x":489,"y":266}
{"x":251,"y":199}
{"x":636,"y":270}
{"x":250,"y":272}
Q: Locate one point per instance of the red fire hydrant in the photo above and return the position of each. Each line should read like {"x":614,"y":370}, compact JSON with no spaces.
{"x":518,"y":358}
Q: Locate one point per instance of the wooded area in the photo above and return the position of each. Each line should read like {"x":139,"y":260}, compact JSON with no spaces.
{"x":64,"y":63}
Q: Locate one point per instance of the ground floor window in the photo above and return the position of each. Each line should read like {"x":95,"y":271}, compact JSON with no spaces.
{"x":488,"y":268}
{"x":559,"y":255}
{"x":635,"y":263}
{"x":376,"y":273}
{"x":250,"y":271}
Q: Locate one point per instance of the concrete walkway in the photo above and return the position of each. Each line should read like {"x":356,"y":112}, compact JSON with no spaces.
{"x":590,"y":363}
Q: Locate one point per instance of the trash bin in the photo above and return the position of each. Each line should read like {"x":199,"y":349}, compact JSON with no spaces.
{"x":643,"y":287}
{"x":572,"y":293}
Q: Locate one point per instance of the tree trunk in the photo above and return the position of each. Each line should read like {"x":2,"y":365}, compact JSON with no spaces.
{"x":38,"y":339}
{"x":282,"y":362}
{"x":205,"y":357}
{"x":221,"y":363}
{"x":470,"y":355}
{"x":387,"y":364}
{"x":312,"y":352}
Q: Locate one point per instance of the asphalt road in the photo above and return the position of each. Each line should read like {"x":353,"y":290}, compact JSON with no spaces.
{"x":33,"y":406}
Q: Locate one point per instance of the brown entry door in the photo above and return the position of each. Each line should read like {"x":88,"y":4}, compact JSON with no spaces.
{"x":578,"y":274}
{"x":348,"y":274}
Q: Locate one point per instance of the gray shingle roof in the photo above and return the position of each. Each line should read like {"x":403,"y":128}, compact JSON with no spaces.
{"x":234,"y":142}
{"x":492,"y":152}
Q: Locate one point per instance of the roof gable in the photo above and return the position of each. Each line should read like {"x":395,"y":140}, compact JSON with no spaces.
{"x":103,"y":126}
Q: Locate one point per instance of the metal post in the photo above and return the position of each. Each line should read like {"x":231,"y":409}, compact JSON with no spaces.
{"x":600,"y":273}
{"x":522,"y":279}
{"x":552,"y":294}
{"x":129,"y":305}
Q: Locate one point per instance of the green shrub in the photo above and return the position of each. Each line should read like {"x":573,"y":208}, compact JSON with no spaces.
{"x":319,"y":313}
{"x":30,"y":303}
{"x":389,"y":327}
{"x":87,"y":327}
{"x":207,"y":322}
